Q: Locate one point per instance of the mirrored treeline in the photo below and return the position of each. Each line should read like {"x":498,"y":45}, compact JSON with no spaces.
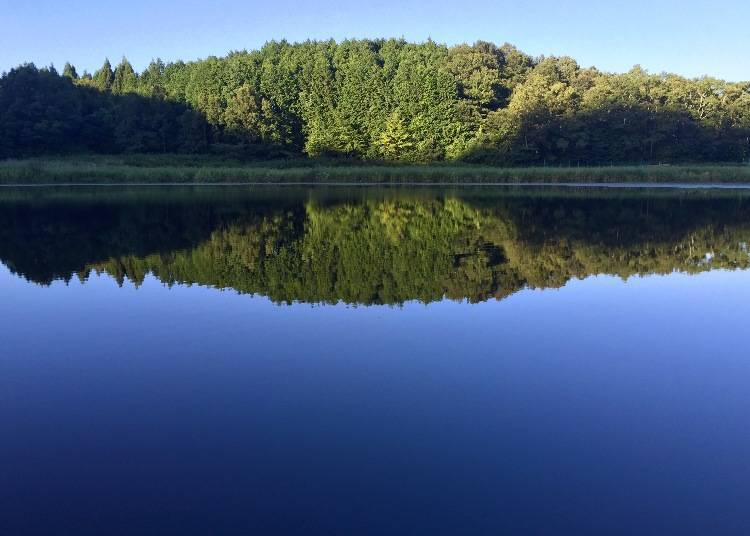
{"x":369,"y":245}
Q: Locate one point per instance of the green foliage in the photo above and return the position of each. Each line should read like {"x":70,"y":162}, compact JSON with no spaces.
{"x":242,"y":114}
{"x":104,"y":77}
{"x":125,"y":80}
{"x":43,"y":113}
{"x":152,"y":81}
{"x":477,"y":72}
{"x":70,"y":71}
{"x":396,"y":142}
{"x":382,"y":99}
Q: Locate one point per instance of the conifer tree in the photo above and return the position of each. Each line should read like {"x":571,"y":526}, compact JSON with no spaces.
{"x":70,"y":71}
{"x":104,"y":77}
{"x":395,"y":141}
{"x":125,"y":79}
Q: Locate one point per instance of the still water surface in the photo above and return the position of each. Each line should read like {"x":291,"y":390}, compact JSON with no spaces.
{"x":226,"y":360}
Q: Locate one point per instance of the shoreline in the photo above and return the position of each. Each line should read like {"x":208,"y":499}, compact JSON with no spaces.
{"x":592,"y":185}
{"x":199,"y":170}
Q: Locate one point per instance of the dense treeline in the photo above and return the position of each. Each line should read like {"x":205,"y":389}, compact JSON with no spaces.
{"x":378,"y":100}
{"x":379,"y":250}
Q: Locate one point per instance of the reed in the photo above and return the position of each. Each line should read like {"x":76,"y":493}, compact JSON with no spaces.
{"x":155,"y":169}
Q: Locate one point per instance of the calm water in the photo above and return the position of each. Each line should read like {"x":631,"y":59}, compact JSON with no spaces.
{"x":374,"y":361}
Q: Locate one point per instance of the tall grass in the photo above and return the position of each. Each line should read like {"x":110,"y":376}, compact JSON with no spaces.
{"x":175,"y":169}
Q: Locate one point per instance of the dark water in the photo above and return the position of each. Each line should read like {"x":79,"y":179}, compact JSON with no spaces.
{"x":374,"y":361}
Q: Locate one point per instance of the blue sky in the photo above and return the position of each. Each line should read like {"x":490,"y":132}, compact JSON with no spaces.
{"x":688,"y":37}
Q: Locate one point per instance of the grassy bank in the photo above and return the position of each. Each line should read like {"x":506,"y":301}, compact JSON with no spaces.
{"x":192,"y":169}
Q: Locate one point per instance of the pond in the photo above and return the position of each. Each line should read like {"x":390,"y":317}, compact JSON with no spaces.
{"x":331,"y":360}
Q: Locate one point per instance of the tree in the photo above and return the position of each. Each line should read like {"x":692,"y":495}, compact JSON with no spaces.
{"x":395,"y":142}
{"x":477,"y":73}
{"x":104,"y":77}
{"x":151,"y":82}
{"x":70,"y":71}
{"x":531,"y":125}
{"x":242,"y":115}
{"x":515,"y":68}
{"x":125,"y":79}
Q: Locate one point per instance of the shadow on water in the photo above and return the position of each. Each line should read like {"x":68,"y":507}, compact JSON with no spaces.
{"x":369,"y":245}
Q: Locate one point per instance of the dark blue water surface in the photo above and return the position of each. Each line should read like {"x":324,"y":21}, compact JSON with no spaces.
{"x":291,"y":361}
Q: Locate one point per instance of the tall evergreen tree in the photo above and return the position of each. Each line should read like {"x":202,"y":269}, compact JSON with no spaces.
{"x":70,"y":71}
{"x":396,"y":142}
{"x":124,"y":79}
{"x":104,"y":77}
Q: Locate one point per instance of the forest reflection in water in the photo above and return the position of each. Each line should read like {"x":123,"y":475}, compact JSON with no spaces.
{"x":369,"y":245}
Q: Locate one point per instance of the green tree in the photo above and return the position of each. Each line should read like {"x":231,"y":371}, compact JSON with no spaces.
{"x":151,"y":82}
{"x":104,"y":77}
{"x":70,"y":71}
{"x":396,"y":142}
{"x":243,"y":115}
{"x":477,"y":73}
{"x":125,"y":79}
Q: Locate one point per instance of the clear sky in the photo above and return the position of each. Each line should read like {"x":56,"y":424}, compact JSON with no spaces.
{"x":689,"y":37}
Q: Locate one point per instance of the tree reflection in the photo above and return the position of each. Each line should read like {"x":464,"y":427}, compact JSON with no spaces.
{"x":382,"y":247}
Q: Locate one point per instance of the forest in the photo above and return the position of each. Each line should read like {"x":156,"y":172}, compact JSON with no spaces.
{"x":384,"y":100}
